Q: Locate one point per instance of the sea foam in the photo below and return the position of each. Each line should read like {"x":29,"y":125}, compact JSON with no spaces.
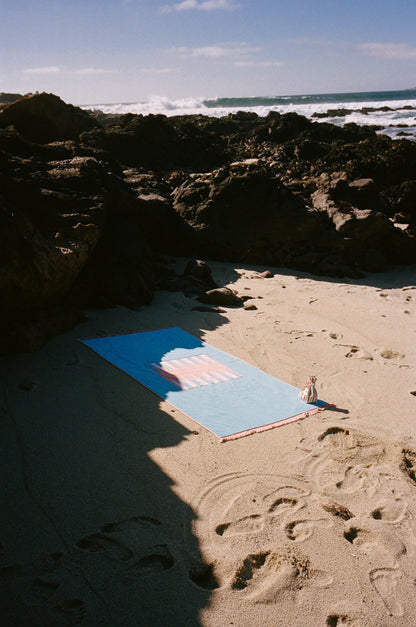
{"x":394,"y":118}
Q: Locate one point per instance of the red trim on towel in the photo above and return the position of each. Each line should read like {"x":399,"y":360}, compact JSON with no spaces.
{"x":273,"y":425}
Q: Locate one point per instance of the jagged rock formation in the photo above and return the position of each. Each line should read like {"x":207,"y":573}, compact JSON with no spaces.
{"x":88,"y":202}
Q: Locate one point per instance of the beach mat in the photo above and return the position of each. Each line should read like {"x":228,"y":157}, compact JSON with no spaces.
{"x":222,"y":393}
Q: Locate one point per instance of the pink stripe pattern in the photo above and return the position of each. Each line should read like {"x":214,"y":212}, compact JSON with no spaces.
{"x":193,"y":372}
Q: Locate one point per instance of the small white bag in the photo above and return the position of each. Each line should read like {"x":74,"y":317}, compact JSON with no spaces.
{"x":308,"y":393}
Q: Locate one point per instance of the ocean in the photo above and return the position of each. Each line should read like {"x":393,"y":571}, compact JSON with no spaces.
{"x":394,"y":111}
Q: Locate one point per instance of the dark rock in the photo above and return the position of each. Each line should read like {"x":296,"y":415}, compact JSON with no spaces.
{"x":44,"y":118}
{"x":368,"y":236}
{"x":387,"y":162}
{"x":221,"y":296}
{"x":49,"y":227}
{"x":406,"y":200}
{"x":196,"y":279}
{"x":88,"y":202}
{"x":308,"y":150}
{"x":201,"y":272}
{"x":154,"y":141}
{"x":333,"y":113}
{"x":249,"y":216}
{"x":149,"y":203}
{"x":365,"y":194}
{"x":58,"y":247}
{"x":7,"y":98}
{"x":204,"y":309}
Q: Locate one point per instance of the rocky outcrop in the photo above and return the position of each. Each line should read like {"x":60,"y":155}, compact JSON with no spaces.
{"x":8,"y":98}
{"x":63,"y":246}
{"x":45,"y":118}
{"x":195,"y":280}
{"x":241,"y":213}
{"x":155,"y":142}
{"x":88,"y":202}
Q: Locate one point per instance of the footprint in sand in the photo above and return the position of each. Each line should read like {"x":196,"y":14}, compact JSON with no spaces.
{"x":332,"y":335}
{"x":343,"y":462}
{"x":337,"y":620}
{"x":354,"y":479}
{"x":107,"y":546}
{"x":336,"y":437}
{"x":203,"y":575}
{"x":356,"y":352}
{"x":385,"y":582}
{"x":40,"y":592}
{"x":133,"y":542}
{"x":338,"y":510}
{"x":285,"y":500}
{"x":408,"y":464}
{"x":298,"y":334}
{"x":336,"y":479}
{"x":301,"y":530}
{"x":371,"y":540}
{"x":244,"y":505}
{"x":390,"y":512}
{"x":387,"y":353}
{"x":132,"y":524}
{"x":116,"y":539}
{"x":156,"y":561}
{"x":264,"y":577}
{"x":282,"y":506}
{"x":247,"y":571}
{"x":45,"y":564}
{"x":247,"y":524}
{"x":69,"y":611}
{"x":10,"y":572}
{"x":28,"y":385}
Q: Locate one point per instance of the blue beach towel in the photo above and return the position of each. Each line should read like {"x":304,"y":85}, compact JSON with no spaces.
{"x":225,"y":395}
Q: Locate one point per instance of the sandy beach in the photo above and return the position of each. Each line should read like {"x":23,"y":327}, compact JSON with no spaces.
{"x":116,"y":509}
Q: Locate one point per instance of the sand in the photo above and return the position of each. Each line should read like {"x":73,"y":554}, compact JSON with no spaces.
{"x":117,"y":509}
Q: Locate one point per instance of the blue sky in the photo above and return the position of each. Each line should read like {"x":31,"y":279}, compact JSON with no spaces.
{"x":104,"y":51}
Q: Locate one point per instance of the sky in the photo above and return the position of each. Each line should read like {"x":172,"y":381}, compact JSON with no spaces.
{"x":109,"y":51}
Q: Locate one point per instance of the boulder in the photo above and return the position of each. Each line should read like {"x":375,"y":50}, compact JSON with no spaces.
{"x":363,"y":194}
{"x":149,"y":203}
{"x":58,"y":247}
{"x":44,"y":118}
{"x":247,"y":215}
{"x":199,"y":272}
{"x":221,"y":296}
{"x":405,"y":201}
{"x":368,"y":236}
{"x":196,"y":279}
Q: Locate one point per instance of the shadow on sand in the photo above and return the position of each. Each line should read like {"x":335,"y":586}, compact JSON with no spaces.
{"x":92,"y":529}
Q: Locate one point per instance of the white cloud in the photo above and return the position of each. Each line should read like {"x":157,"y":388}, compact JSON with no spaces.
{"x":398,"y":52}
{"x":55,"y":69}
{"x":50,"y":69}
{"x":200,"y":5}
{"x":92,"y":71}
{"x":161,"y":70}
{"x":216,"y":52}
{"x":258,"y":63}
